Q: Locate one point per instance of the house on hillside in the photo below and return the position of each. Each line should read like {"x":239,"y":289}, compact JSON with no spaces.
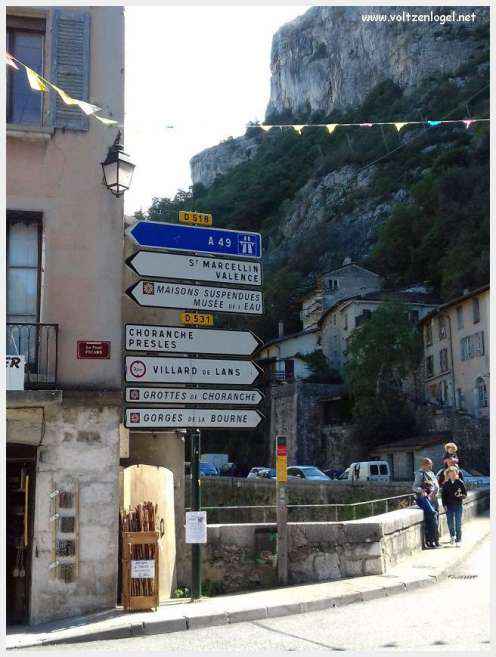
{"x":340,"y":320}
{"x":315,"y":416}
{"x":456,"y":350}
{"x":342,"y":283}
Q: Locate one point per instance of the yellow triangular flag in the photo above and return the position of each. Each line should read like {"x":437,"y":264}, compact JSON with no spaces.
{"x":105,"y":121}
{"x":331,"y":127}
{"x":34,"y":80}
{"x":10,"y":61}
{"x":298,"y":128}
{"x":87,"y":108}
{"x":398,"y":126}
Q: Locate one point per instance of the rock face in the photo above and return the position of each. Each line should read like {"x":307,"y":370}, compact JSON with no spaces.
{"x":215,"y":161}
{"x":330,"y":58}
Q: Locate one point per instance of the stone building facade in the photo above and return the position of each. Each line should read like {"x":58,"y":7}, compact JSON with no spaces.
{"x":64,"y":285}
{"x":456,"y":350}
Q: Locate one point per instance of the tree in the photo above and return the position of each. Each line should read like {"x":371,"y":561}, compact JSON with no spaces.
{"x":383,"y":354}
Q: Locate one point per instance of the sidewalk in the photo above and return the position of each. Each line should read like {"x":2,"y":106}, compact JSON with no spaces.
{"x":423,"y":569}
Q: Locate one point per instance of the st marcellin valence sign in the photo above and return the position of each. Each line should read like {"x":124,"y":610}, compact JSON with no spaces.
{"x":195,"y":268}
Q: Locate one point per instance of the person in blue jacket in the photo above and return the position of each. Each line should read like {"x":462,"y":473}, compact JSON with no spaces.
{"x":426,"y":488}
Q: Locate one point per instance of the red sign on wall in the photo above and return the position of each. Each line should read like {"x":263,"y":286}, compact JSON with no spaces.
{"x":97,"y":349}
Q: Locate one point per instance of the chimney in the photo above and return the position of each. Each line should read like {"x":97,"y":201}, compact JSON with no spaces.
{"x":347,"y":261}
{"x":465,"y":292}
{"x":281,"y":329}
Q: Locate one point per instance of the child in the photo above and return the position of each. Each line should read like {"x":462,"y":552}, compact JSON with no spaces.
{"x":452,"y":494}
{"x":441,"y":474}
{"x":450,"y":452}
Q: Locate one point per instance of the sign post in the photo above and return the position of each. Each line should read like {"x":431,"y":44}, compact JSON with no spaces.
{"x":195,"y":506}
{"x":282,"y":509}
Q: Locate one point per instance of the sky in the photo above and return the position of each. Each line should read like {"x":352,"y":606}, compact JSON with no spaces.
{"x":203,"y":70}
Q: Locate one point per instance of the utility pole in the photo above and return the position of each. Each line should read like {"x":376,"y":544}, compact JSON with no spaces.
{"x":282,"y":509}
{"x":195,"y":506}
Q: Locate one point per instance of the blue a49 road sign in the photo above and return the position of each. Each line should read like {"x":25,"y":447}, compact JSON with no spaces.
{"x":176,"y":237}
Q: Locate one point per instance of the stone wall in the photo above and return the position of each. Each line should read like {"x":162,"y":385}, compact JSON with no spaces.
{"x":297,"y":412}
{"x":243,"y":557}
{"x":471,"y":434}
{"x":80,"y":445}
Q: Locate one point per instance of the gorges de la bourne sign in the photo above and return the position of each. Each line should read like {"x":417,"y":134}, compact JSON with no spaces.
{"x":157,"y":294}
{"x":137,"y":418}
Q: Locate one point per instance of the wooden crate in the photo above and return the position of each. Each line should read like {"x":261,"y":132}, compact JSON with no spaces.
{"x":130,"y":600}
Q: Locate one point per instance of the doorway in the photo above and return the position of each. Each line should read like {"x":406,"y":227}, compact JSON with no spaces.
{"x":20,"y":484}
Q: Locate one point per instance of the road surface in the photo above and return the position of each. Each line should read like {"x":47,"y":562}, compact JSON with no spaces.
{"x":452,"y":615}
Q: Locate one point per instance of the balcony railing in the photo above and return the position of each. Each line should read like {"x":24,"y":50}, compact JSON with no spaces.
{"x":38,"y":344}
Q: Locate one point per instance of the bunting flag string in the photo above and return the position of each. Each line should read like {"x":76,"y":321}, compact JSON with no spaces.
{"x":38,"y":83}
{"x":397,"y":124}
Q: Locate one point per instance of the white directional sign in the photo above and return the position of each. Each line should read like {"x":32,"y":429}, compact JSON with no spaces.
{"x":195,"y":268}
{"x":193,"y":396}
{"x":168,"y":418}
{"x":157,"y":294}
{"x":177,"y":339}
{"x":153,"y":369}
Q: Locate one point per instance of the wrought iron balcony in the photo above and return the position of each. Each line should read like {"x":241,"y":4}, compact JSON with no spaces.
{"x":38,"y":344}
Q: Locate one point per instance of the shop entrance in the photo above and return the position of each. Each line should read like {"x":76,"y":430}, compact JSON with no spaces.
{"x":20,"y":481}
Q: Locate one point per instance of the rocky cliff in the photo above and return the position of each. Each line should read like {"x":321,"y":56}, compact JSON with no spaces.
{"x":330,"y":58}
{"x":215,"y":161}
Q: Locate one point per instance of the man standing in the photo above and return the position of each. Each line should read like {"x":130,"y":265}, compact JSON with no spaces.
{"x":426,"y":488}
{"x":452,"y":494}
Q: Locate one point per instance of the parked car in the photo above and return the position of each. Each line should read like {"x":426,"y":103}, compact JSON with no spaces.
{"x":306,"y":472}
{"x":254,"y":472}
{"x":267,"y":473}
{"x":333,"y":473}
{"x":367,"y":471}
{"x":475,"y":479}
{"x":208,"y":470}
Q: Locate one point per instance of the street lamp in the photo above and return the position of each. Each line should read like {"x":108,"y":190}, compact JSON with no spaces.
{"x":117,"y":168}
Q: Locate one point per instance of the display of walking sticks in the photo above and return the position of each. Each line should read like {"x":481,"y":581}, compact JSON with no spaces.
{"x":140,"y":519}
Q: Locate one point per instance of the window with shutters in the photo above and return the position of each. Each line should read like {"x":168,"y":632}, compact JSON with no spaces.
{"x":443,"y":333}
{"x":443,"y":360}
{"x":70,"y":66}
{"x":459,"y":317}
{"x":481,"y":392}
{"x":428,"y":334}
{"x":476,"y":310}
{"x":429,"y":365}
{"x":25,"y":41}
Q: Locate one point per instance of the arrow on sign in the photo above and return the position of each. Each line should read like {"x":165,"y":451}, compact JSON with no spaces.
{"x":195,"y":268}
{"x":176,"y":237}
{"x":177,"y":339}
{"x":161,"y":294}
{"x":193,"y":396}
{"x":168,"y":418}
{"x":153,"y":369}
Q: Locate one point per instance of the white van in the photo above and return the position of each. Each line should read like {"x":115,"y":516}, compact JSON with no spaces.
{"x":367,"y":471}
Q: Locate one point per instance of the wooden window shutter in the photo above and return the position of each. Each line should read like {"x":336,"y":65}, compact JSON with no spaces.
{"x":70,"y":66}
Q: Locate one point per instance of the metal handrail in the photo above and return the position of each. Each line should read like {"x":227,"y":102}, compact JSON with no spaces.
{"x":304,"y":506}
